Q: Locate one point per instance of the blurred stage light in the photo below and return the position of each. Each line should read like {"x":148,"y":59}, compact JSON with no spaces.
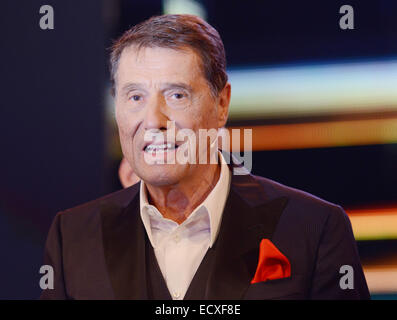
{"x":374,"y":223}
{"x":313,"y":90}
{"x":323,"y":134}
{"x":184,"y":7}
{"x":381,"y":280}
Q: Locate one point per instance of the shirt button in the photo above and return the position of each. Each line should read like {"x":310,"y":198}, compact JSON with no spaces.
{"x":176,"y":295}
{"x":177,"y":238}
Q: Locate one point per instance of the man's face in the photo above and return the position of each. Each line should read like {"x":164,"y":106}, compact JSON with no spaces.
{"x":156,"y":85}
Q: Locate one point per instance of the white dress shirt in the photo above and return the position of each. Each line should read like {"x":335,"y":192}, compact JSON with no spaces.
{"x":180,"y":248}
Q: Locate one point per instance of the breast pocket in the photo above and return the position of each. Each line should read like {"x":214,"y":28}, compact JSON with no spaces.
{"x":291,"y":288}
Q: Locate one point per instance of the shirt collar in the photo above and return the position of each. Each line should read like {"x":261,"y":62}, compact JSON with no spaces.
{"x":214,"y":204}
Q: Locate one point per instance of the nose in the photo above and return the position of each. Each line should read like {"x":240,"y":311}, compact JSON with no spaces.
{"x":155,"y":117}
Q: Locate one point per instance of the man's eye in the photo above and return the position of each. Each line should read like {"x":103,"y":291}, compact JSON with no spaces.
{"x":135,"y":97}
{"x":178,"y":96}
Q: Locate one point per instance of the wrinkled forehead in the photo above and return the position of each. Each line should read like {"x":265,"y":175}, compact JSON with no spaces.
{"x":157,"y":64}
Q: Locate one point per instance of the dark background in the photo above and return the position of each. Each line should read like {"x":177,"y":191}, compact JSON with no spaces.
{"x":53,"y":129}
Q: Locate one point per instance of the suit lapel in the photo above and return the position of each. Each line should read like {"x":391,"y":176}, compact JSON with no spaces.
{"x":157,"y":287}
{"x":124,"y":247}
{"x":248,"y":217}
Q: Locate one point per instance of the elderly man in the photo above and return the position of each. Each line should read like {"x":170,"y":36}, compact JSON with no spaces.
{"x":193,"y":229}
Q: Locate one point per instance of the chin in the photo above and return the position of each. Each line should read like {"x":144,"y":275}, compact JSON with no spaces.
{"x":160,"y":175}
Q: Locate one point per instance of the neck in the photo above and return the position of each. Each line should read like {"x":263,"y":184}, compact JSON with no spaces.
{"x":178,"y":201}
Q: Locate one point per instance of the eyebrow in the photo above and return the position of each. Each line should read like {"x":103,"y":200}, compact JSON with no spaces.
{"x":164,"y":86}
{"x":131,"y":86}
{"x":176,"y":85}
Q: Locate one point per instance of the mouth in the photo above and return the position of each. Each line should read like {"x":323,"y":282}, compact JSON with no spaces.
{"x":156,"y":148}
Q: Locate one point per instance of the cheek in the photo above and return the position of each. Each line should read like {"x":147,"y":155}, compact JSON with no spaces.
{"x":201,"y":115}
{"x":126,"y":121}
{"x":121,"y":119}
{"x":127,"y":127}
{"x":203,"y":119}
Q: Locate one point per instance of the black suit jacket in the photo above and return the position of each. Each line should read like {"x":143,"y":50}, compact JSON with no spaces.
{"x":99,"y":250}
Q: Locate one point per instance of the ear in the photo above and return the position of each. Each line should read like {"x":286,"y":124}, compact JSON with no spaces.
{"x":223,"y":105}
{"x":126,"y":174}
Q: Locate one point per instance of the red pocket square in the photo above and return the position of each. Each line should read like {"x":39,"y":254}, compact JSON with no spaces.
{"x":272,"y":263}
